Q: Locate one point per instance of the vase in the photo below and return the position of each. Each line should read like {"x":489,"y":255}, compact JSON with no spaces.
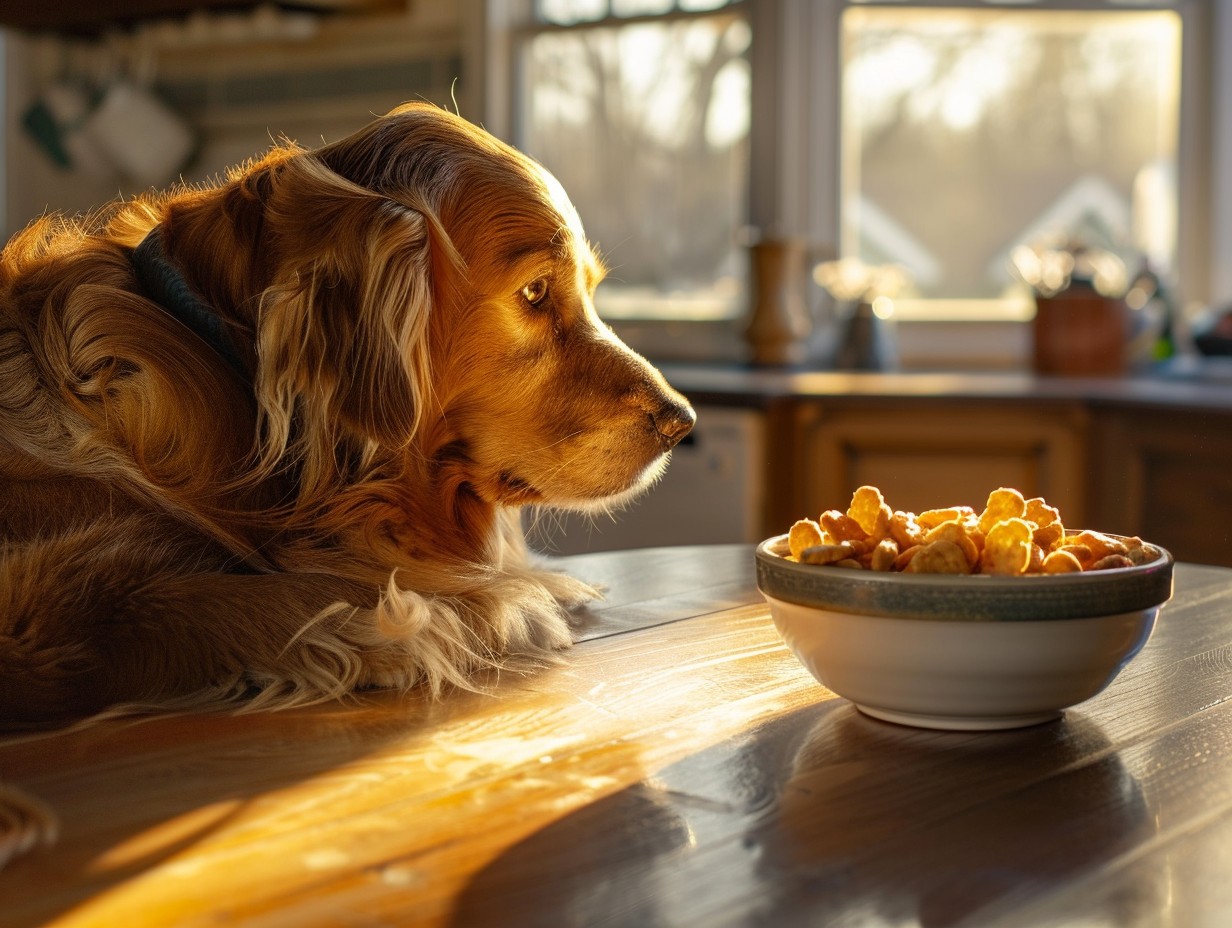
{"x":779,"y":323}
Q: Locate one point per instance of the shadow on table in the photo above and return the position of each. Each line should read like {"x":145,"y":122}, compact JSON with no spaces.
{"x":133,"y":793}
{"x":824,"y":816}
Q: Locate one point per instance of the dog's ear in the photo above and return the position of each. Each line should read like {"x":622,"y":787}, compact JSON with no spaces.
{"x":342,"y":327}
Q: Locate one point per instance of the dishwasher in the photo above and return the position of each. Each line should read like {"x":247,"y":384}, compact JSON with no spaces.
{"x":711,"y":493}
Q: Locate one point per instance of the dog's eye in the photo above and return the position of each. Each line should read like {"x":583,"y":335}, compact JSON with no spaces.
{"x":535,"y":291}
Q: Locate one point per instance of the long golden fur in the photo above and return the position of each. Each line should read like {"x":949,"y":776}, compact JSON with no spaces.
{"x":415,"y":356}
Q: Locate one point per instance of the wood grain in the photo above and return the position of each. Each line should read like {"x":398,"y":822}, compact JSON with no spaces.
{"x":676,"y":768}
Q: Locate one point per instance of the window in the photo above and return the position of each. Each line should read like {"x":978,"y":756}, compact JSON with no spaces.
{"x":645,"y":121}
{"x":935,"y":136}
{"x":969,"y":131}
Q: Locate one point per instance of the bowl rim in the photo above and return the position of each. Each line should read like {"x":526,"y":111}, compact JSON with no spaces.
{"x":965,"y":597}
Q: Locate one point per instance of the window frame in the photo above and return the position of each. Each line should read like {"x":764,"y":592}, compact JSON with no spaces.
{"x":795,"y":158}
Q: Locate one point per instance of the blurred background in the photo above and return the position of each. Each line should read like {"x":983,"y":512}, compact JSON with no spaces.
{"x":779,"y":186}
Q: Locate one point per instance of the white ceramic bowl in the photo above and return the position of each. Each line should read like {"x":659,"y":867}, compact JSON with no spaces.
{"x":962,"y":652}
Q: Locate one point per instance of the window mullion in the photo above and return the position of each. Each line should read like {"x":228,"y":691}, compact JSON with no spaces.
{"x":794,"y":154}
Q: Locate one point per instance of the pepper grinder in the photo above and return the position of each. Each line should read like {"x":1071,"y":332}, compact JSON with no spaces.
{"x":866,"y":344}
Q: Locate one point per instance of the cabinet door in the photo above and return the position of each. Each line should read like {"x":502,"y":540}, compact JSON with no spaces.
{"x":1167,"y":476}
{"x":928,"y":455}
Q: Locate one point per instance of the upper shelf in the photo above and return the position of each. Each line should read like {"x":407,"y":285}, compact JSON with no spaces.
{"x":91,"y":17}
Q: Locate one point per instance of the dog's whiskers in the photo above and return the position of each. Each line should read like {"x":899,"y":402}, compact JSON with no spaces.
{"x":552,"y":444}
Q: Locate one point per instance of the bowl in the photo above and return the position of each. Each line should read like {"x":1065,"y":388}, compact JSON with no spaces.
{"x":964,"y":652}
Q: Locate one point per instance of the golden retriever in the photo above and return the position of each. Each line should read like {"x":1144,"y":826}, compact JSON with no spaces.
{"x":264,"y":443}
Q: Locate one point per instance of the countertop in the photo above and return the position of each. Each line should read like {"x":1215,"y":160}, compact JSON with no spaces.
{"x":1182,"y":388}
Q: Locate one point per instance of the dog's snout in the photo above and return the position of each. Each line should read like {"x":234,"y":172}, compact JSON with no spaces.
{"x":673,"y":422}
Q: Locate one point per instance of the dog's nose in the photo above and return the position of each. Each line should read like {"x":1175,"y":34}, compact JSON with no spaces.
{"x":673,"y":422}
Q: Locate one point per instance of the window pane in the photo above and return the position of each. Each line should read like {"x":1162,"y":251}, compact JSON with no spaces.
{"x":968,"y":132}
{"x":640,"y":7}
{"x":646,"y":125}
{"x":699,"y":5}
{"x":568,"y":12}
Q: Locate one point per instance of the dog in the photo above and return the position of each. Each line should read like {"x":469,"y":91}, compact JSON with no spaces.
{"x":263,"y":443}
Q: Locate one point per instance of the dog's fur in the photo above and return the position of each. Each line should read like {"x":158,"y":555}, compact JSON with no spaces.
{"x":338,"y":509}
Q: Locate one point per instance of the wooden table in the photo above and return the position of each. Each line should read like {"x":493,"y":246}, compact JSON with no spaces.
{"x":678,"y":768}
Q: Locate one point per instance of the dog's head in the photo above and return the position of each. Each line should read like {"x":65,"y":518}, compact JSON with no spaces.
{"x":436,"y":292}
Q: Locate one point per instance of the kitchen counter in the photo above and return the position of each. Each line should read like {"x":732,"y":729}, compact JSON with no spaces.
{"x":1135,"y":455}
{"x":1187,"y":388}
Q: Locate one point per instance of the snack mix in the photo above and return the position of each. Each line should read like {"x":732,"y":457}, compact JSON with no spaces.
{"x":1012,"y":536}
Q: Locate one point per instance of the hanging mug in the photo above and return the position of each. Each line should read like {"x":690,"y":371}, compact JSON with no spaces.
{"x":59,"y":122}
{"x":144,"y":137}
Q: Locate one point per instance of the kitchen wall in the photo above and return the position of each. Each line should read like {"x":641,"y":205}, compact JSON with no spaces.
{"x":239,"y":82}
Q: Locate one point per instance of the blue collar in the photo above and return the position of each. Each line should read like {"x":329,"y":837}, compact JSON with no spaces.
{"x":166,"y":286}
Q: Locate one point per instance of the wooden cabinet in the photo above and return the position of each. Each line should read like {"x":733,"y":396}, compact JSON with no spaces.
{"x":1165,"y":475}
{"x":1162,"y":474}
{"x":926,"y":454}
{"x":1127,"y":455}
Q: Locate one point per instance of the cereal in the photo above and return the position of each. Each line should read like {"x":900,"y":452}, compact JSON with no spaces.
{"x":882,"y":556}
{"x":1101,"y":545}
{"x":1049,"y":529}
{"x":804,"y":534}
{"x":939,"y":557}
{"x":1007,"y":547}
{"x":1036,"y":564}
{"x":1061,"y":562}
{"x":1040,"y":512}
{"x":840,"y":526}
{"x":956,"y":532}
{"x":1138,"y":551}
{"x":1081,"y":553}
{"x":904,"y":557}
{"x":828,"y":554}
{"x":905,"y":530}
{"x":1003,"y":503}
{"x":931,"y":518}
{"x":1011,"y":536}
{"x":871,"y":513}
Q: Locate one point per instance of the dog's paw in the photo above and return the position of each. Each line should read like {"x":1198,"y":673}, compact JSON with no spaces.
{"x":569,"y":592}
